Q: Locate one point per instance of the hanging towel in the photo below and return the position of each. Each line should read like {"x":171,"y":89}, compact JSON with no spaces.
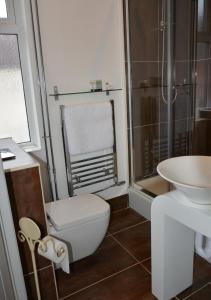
{"x":89,"y":127}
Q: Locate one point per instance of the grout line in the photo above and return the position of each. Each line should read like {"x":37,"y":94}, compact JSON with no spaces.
{"x":142,"y":261}
{"x":97,"y":282}
{"x":176,"y":61}
{"x":129,"y":227}
{"x":145,"y":269}
{"x":137,"y":262}
{"x":119,"y":210}
{"x":143,"y":266}
{"x":196,"y":291}
{"x":31,"y":273}
{"x":160,"y":123}
{"x":126,"y":250}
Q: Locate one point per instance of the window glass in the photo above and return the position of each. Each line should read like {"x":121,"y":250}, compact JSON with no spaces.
{"x":3,"y":9}
{"x":13,"y":116}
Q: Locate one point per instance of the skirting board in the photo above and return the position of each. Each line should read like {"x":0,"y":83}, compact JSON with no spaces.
{"x":140,"y":202}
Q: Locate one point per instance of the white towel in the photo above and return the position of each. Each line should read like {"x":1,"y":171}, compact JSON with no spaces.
{"x":89,"y":127}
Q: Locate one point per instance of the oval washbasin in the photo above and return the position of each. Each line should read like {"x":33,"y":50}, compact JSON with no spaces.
{"x":189,"y":174}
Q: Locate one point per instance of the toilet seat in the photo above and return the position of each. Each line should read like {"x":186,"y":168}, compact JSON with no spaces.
{"x":76,"y":210}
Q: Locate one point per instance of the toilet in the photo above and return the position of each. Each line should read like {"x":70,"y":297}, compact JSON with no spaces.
{"x":80,"y":221}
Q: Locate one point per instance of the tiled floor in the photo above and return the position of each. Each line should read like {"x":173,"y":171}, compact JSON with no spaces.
{"x":121,"y":267}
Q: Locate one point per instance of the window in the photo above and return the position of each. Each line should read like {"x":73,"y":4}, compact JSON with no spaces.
{"x":3,"y":9}
{"x":18,"y":74}
{"x":13,"y":117}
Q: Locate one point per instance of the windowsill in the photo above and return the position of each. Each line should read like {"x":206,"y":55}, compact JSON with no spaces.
{"x":30,"y":148}
{"x":27,"y":147}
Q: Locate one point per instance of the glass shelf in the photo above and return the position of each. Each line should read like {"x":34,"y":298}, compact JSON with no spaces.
{"x":57,"y":95}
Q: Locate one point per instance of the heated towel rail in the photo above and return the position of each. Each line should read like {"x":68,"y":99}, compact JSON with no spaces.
{"x":93,"y":170}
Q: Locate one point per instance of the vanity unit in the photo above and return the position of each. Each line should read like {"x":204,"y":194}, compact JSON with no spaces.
{"x":26,"y":199}
{"x":175,"y":217}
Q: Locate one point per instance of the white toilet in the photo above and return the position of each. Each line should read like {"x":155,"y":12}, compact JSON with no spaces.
{"x":80,"y":221}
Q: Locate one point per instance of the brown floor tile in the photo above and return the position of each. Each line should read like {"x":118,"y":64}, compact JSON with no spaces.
{"x":137,"y":240}
{"x":203,"y":294}
{"x":46,"y":282}
{"x":147,"y":264}
{"x":119,"y":202}
{"x":108,"y":259}
{"x":123,"y":219}
{"x":202,"y":269}
{"x":201,"y":276}
{"x":132,"y":284}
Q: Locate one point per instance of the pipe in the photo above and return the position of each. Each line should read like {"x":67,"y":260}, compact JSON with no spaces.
{"x":129,"y":90}
{"x":203,"y":246}
{"x":44,"y":97}
{"x":169,"y":76}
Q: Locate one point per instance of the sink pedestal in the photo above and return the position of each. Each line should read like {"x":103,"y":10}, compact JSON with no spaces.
{"x":174,"y":223}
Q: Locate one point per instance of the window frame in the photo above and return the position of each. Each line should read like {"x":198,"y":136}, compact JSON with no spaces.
{"x":19,"y":22}
{"x":10,"y":13}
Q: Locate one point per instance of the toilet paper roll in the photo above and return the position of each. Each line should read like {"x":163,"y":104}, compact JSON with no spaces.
{"x":56,"y":251}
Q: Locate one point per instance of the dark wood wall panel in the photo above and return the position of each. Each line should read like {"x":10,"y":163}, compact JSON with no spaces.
{"x":26,"y":200}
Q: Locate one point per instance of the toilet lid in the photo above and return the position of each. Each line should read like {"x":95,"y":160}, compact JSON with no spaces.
{"x":76,"y":210}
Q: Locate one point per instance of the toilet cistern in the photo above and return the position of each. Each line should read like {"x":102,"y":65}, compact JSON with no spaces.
{"x":189,"y":174}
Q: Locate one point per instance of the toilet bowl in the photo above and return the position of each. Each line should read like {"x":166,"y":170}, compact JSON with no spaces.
{"x":80,"y":221}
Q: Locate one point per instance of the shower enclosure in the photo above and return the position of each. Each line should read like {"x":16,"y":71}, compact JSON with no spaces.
{"x":169,"y":81}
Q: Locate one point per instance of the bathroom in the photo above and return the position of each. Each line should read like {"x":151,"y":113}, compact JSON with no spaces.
{"x":141,"y":55}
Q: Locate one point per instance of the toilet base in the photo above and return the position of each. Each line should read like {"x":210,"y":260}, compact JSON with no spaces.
{"x":84,"y":239}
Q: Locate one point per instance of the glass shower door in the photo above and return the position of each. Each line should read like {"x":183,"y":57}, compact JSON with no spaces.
{"x":160,"y":54}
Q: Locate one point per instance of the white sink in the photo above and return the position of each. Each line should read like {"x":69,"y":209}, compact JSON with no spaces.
{"x":189,"y":174}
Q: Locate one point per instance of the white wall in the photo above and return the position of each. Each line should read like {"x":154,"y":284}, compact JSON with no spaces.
{"x":82,"y":40}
